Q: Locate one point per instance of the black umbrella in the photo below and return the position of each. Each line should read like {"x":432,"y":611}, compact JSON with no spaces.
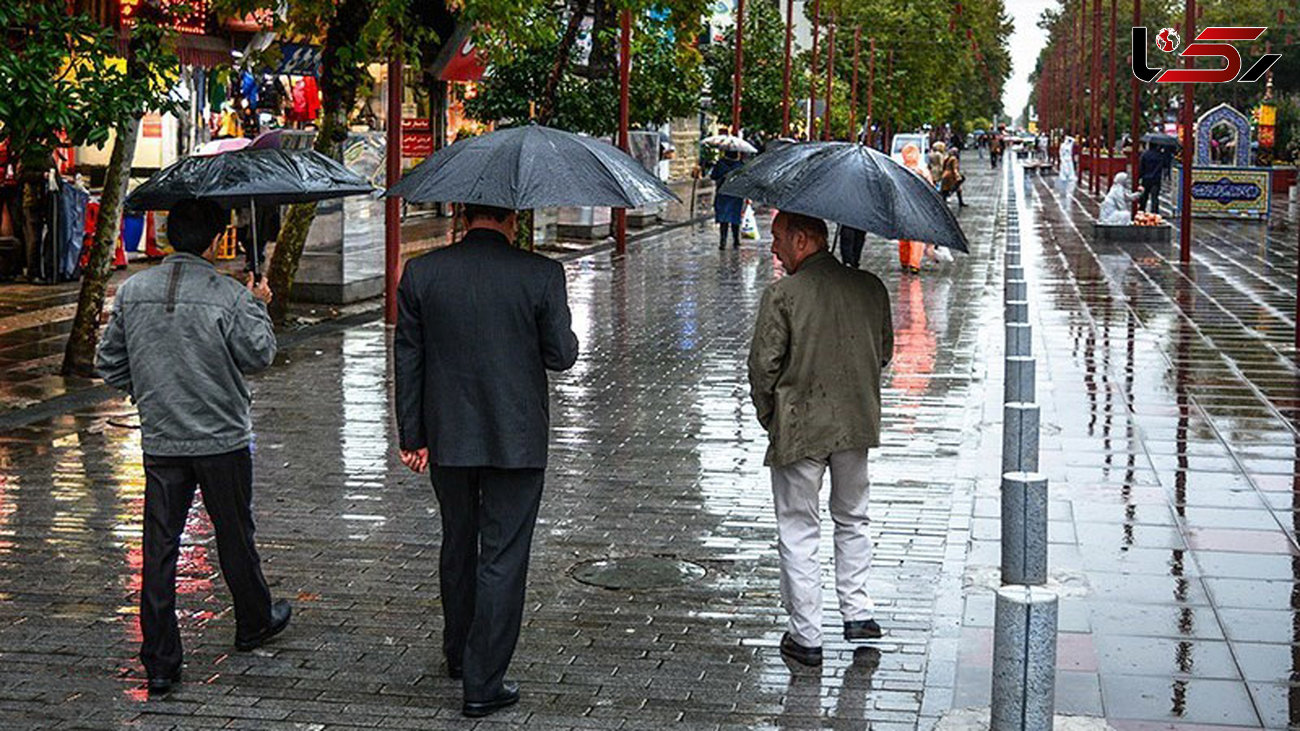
{"x":1162,"y":140}
{"x":532,"y":167}
{"x":248,"y":177}
{"x":852,"y":185}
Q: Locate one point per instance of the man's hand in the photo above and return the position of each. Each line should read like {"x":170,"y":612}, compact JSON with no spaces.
{"x":417,"y":460}
{"x":260,"y":289}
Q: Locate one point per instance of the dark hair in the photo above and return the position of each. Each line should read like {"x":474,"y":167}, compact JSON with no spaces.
{"x":811,"y":226}
{"x":474,"y":211}
{"x":193,"y":224}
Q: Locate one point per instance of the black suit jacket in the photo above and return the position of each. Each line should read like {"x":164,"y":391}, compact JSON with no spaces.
{"x":479,"y":323}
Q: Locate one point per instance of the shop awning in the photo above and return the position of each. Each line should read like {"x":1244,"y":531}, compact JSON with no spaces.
{"x":460,"y":59}
{"x":205,"y":51}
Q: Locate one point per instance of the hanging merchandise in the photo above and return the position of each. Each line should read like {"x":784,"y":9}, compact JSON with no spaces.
{"x":218,"y":87}
{"x":248,"y":88}
{"x":228,"y":123}
{"x":271,"y":94}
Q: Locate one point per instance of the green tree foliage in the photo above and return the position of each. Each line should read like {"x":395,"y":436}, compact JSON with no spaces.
{"x":666,"y":73}
{"x":763,"y":82}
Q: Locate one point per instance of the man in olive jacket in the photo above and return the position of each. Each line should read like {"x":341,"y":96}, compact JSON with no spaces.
{"x":824,"y":333}
{"x":478,"y":325}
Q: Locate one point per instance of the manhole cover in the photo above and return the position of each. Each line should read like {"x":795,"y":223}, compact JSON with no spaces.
{"x":638,"y":572}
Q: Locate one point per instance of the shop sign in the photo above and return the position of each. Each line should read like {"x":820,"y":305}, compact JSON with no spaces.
{"x":1226,"y":192}
{"x":188,"y":16}
{"x":417,"y":137}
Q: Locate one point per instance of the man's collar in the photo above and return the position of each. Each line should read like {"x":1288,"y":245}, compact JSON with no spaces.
{"x":181,"y":257}
{"x":815,"y":259}
{"x":485,"y":235}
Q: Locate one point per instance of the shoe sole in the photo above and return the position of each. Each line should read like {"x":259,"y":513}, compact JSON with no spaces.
{"x":481,"y":712}
{"x":254,"y":644}
{"x":801,"y":660}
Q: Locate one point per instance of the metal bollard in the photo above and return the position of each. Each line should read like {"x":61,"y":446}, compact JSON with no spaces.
{"x":1024,"y":659}
{"x":1019,"y":380}
{"x":1024,"y":528}
{"x":1016,"y":311}
{"x":1020,"y":437}
{"x":1019,"y":337}
{"x":1017,"y":289}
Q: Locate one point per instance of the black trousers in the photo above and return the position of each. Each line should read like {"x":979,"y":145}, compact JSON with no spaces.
{"x":488,"y":516}
{"x":1151,"y":190}
{"x":227,"y":484}
{"x":722,"y":234}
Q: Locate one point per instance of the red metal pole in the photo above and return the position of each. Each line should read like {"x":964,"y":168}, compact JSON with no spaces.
{"x":1094,"y":123}
{"x":624,"y":83}
{"x":1189,"y":141}
{"x":830,"y":77}
{"x":1135,"y":124}
{"x":1111,"y":96}
{"x":889,"y":101}
{"x":393,"y":205}
{"x":809,"y":133}
{"x":871,"y":90}
{"x":853,"y":103}
{"x":740,"y":65}
{"x":785,"y":93}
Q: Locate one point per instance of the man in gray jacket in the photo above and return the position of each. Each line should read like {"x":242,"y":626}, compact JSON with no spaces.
{"x":824,"y":333}
{"x":181,"y":338}
{"x":478,"y":325}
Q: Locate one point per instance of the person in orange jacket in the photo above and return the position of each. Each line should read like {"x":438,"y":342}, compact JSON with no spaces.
{"x":910,"y":252}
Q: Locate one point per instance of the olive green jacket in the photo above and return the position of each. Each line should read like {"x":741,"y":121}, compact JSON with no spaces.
{"x":822,"y":337}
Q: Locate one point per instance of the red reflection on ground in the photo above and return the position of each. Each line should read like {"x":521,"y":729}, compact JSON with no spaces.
{"x":914,"y":344}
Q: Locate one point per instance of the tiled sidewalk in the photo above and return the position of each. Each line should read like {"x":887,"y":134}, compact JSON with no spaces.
{"x":655,"y":453}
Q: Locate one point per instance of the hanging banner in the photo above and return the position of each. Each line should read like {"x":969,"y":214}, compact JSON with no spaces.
{"x":1227,"y":192}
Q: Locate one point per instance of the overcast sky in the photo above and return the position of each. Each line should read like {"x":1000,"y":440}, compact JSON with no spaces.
{"x":1026,"y":42}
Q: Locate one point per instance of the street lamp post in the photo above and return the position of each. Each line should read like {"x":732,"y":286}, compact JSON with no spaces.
{"x":853,"y":95}
{"x":1189,"y":109}
{"x":624,"y":84}
{"x":871,"y":89}
{"x":393,"y":172}
{"x":830,"y":76}
{"x":740,"y":64}
{"x":1111,"y":96}
{"x":785,"y":93}
{"x":1094,"y":121}
{"x":1135,"y":124}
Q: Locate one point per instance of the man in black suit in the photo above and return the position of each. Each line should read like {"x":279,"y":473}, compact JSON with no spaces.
{"x":479,"y":324}
{"x":1150,"y":173}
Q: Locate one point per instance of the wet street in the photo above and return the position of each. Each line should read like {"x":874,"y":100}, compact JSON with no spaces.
{"x":1171,"y":437}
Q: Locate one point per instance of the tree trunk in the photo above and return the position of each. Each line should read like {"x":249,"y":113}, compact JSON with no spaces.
{"x":339,"y":79}
{"x":79,"y":357}
{"x":547,"y":107}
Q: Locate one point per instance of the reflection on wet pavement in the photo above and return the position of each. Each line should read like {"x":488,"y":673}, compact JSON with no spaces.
{"x":1170,"y":436}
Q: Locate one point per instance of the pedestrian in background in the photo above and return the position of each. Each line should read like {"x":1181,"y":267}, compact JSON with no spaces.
{"x":727,"y":209}
{"x":479,"y":325}
{"x":1150,"y":177}
{"x":823,"y":335}
{"x":180,"y":340}
{"x":851,"y":241}
{"x":951,"y":179}
{"x":910,"y":252}
{"x":934,"y":160}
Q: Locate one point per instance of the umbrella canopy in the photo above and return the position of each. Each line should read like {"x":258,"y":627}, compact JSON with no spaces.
{"x":730,"y":143}
{"x":1158,"y":139}
{"x":231,"y":179}
{"x":852,"y":185}
{"x":532,"y":167}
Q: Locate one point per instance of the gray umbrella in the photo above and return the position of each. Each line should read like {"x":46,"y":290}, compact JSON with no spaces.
{"x":532,"y":167}
{"x":1160,"y":140}
{"x":852,"y":185}
{"x":249,"y":177}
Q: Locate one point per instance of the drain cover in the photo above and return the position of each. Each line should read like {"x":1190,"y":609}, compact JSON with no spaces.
{"x":637,"y":572}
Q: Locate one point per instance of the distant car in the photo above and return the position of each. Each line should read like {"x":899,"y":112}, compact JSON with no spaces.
{"x":921,"y":141}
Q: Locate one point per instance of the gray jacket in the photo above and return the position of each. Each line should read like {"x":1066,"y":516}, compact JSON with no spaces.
{"x":181,"y":338}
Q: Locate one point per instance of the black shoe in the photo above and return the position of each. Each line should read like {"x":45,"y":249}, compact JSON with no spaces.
{"x":735,"y":245}
{"x":164,"y":685}
{"x":508,"y":696}
{"x":280,"y":613}
{"x":722,"y":246}
{"x":810,"y":656}
{"x":861,"y":630}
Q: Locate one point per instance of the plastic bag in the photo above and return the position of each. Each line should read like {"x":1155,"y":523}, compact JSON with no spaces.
{"x":748,"y":223}
{"x":942,"y":254}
